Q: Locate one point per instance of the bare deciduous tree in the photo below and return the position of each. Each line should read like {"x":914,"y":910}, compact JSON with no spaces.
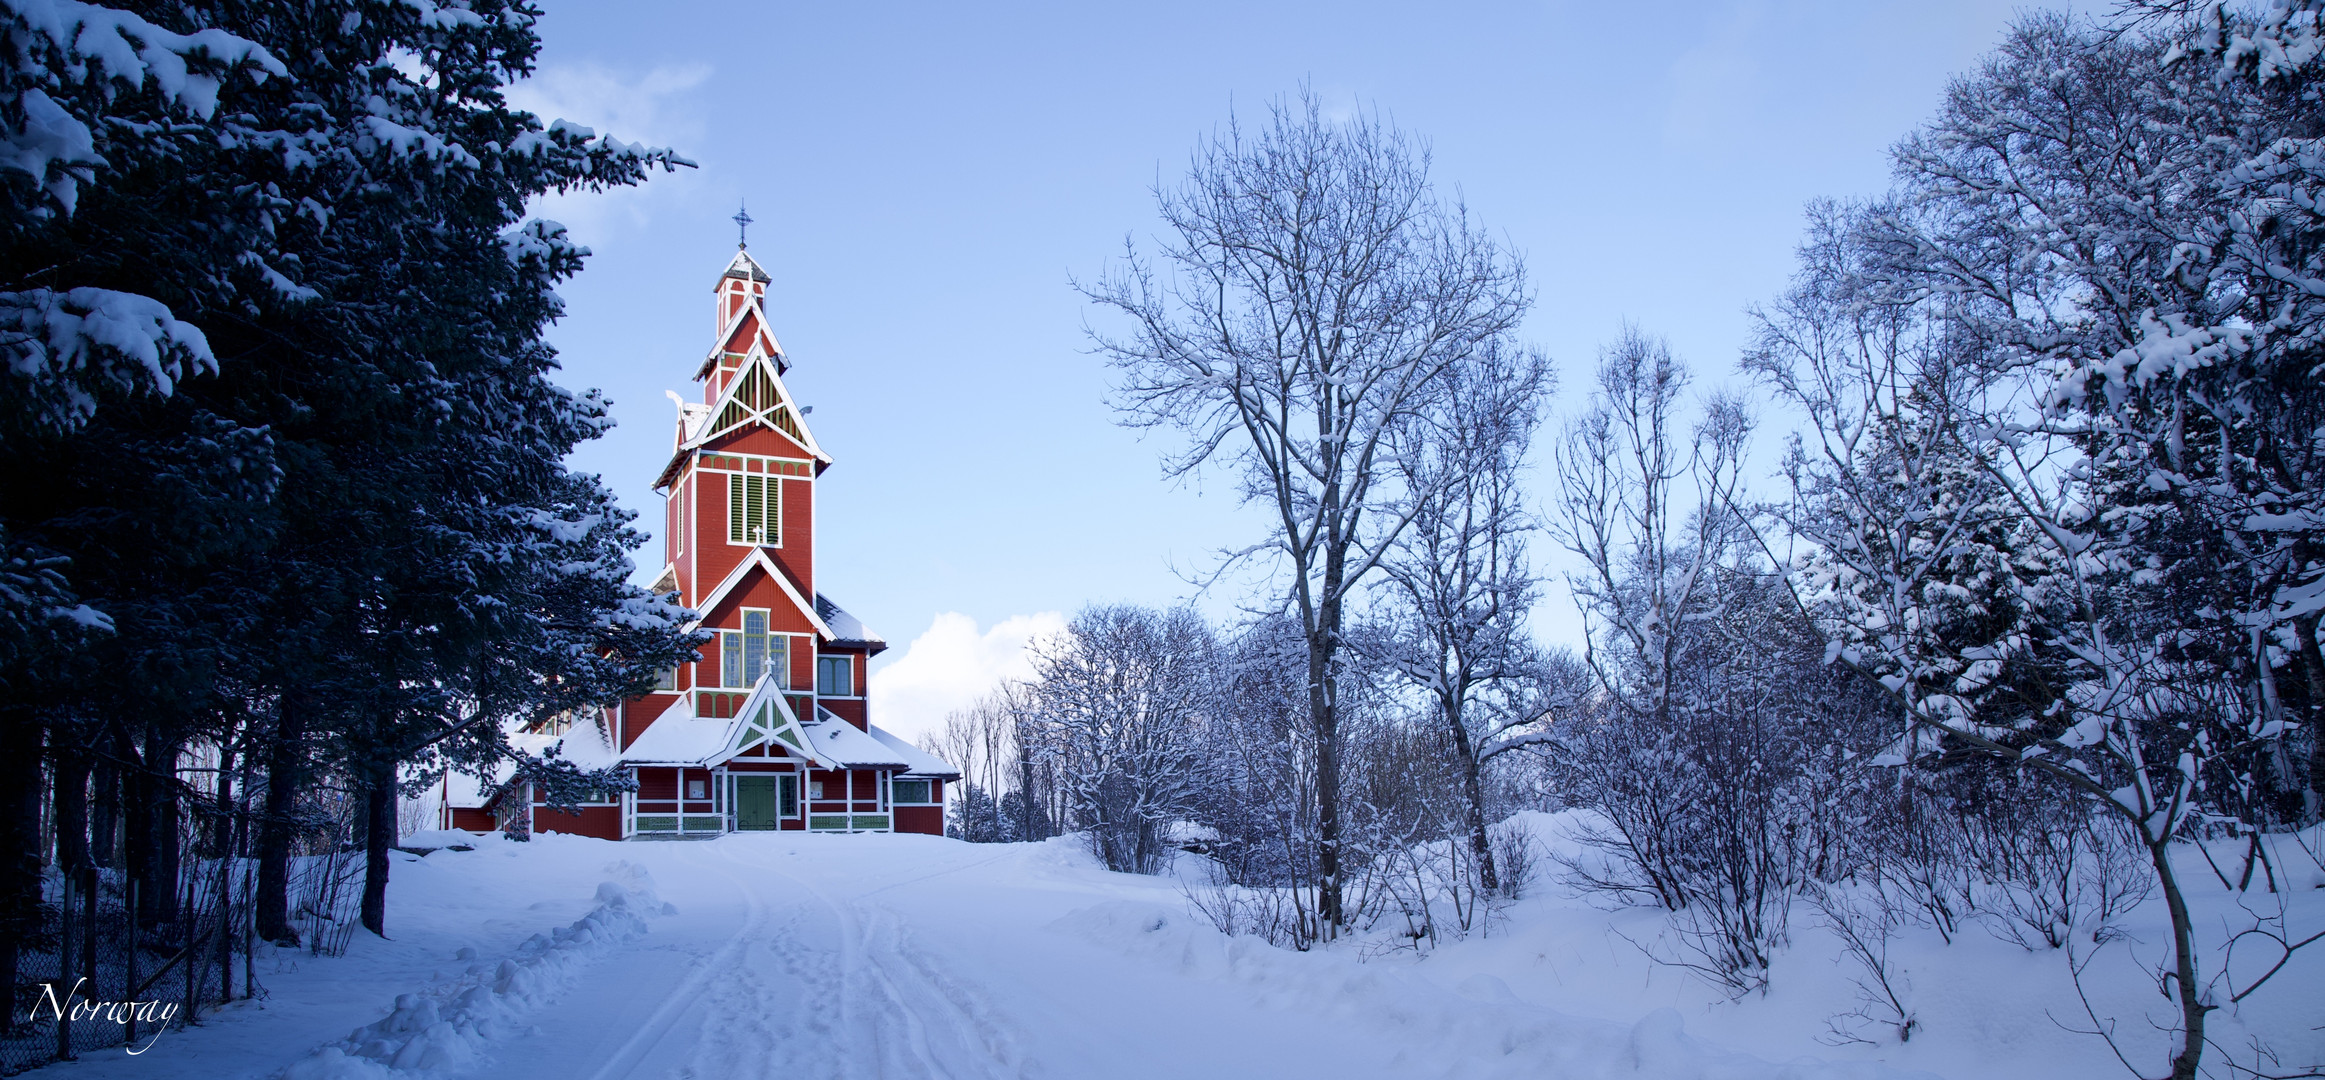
{"x":1312,"y":293}
{"x":1459,"y":584}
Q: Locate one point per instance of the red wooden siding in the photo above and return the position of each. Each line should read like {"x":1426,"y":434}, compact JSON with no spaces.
{"x":715,"y":558}
{"x":602,"y":822}
{"x":757,"y":439}
{"x":745,"y":765}
{"x":850,"y":711}
{"x":474,"y":820}
{"x":760,"y":592}
{"x":797,"y":554}
{"x":639,"y":712}
{"x":921,"y":819}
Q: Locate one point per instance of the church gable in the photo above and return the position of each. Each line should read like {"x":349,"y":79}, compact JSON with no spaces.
{"x":758,"y":583}
{"x":768,"y":726}
{"x":754,"y":395}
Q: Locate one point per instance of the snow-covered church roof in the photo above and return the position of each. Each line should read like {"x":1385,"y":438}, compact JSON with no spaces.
{"x":878,"y":748}
{"x":847,"y":629}
{"x":745,"y":267}
{"x":679,"y":737}
{"x":918,"y":763}
{"x":840,"y":741}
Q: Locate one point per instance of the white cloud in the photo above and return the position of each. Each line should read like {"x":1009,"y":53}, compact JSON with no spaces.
{"x":656,"y":108}
{"x":646,"y":108}
{"x":949,"y":666}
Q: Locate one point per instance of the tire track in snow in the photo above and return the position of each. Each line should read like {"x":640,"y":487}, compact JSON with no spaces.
{"x":898,"y":1014}
{"x":638,"y":1051}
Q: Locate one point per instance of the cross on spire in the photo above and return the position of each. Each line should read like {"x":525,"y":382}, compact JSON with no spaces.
{"x":742,"y":220}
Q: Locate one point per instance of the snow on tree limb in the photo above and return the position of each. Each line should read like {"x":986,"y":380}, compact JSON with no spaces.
{"x":60,"y":44}
{"x":64,"y":345}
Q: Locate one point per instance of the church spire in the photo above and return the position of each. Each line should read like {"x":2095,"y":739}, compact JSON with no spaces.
{"x":742,"y":266}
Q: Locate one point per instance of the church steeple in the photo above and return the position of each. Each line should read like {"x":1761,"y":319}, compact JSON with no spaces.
{"x":744,"y":283}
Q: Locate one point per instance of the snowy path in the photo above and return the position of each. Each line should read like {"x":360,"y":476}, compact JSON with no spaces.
{"x":880,"y":957}
{"x":872,"y":958}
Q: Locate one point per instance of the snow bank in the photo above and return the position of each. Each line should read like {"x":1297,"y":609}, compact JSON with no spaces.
{"x":438,"y":839}
{"x":451,"y":1026}
{"x":1481,"y":1024}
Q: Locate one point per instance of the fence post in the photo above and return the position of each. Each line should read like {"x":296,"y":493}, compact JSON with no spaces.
{"x":91,"y":893}
{"x":129,"y":981}
{"x":225,"y":928}
{"x":249,"y":930}
{"x":193,"y":951}
{"x":65,"y":965}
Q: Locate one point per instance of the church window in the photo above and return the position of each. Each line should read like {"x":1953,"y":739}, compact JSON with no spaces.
{"x":754,"y":510}
{"x":835,"y":676}
{"x":746,"y":654}
{"x":754,"y":644}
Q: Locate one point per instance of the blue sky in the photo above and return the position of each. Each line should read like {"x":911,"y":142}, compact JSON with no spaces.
{"x":926,"y":181}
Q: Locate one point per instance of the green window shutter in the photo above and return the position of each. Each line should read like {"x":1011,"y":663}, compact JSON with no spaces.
{"x":735,"y":523}
{"x":754,"y":509}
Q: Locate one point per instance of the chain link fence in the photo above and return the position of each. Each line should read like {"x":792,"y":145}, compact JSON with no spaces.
{"x":109,"y":967}
{"x":94,"y":976}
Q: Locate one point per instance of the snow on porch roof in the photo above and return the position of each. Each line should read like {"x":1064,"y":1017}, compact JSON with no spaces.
{"x":839,"y":741}
{"x":678,"y":737}
{"x":917,"y":762}
{"x":465,"y":792}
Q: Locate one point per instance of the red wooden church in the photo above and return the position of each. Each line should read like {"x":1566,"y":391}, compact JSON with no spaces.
{"x":770,"y":729}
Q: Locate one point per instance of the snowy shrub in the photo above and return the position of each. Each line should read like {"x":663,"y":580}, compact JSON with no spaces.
{"x":1118,"y":703}
{"x":2046,"y":866}
{"x":1714,"y":747}
{"x":1517,"y":859}
{"x":1866,"y":920}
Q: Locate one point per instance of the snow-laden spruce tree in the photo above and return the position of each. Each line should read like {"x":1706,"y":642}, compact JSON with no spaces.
{"x":1311,"y":294}
{"x":350,"y":542}
{"x":2062,"y":482}
{"x":89,"y":94}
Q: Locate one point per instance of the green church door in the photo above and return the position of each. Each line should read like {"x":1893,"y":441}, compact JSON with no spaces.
{"x":755,"y":802}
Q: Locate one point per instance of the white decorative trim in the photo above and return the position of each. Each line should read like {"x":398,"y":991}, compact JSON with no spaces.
{"x":759,"y":558}
{"x":783,"y":399}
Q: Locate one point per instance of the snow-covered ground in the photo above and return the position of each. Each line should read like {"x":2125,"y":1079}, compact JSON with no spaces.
{"x":784,"y":955}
